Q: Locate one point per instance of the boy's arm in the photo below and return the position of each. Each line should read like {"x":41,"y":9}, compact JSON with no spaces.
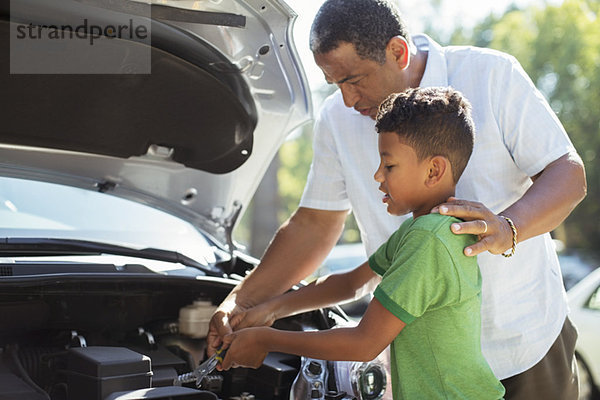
{"x":377,"y":329}
{"x":326,"y":291}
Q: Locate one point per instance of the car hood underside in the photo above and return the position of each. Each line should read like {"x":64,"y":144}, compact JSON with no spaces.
{"x":192,"y":137}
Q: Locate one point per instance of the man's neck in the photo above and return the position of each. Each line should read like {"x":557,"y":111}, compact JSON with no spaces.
{"x":417,"y":67}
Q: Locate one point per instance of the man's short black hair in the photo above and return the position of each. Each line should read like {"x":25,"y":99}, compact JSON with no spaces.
{"x":434,"y":121}
{"x":367,"y":24}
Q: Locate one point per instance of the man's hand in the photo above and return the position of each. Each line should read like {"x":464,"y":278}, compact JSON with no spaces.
{"x":495,"y":234}
{"x":261,"y":315}
{"x":549,"y":200}
{"x":245,"y":348}
{"x":220,"y":324}
{"x":230,"y":316}
{"x":294,"y":253}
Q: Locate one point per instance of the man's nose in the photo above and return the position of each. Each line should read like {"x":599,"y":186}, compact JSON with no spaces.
{"x":349,"y":94}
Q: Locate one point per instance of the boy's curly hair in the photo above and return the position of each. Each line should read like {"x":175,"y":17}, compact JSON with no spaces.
{"x":434,"y":121}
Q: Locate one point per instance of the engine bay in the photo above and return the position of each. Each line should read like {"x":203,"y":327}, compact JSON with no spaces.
{"x":85,"y":338}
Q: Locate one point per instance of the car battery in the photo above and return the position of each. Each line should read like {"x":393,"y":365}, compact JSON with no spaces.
{"x":96,"y":371}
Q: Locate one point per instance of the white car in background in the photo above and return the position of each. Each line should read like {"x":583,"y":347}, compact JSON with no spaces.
{"x":584,"y":301}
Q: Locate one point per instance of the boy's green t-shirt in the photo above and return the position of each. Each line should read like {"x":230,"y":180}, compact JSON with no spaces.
{"x":430,"y":285}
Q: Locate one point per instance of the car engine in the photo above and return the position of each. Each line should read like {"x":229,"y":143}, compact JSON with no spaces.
{"x":111,"y":337}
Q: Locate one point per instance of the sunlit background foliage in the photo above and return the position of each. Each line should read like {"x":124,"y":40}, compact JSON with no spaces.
{"x":559,"y":47}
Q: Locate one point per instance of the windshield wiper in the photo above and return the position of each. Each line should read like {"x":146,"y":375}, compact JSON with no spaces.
{"x":14,"y":247}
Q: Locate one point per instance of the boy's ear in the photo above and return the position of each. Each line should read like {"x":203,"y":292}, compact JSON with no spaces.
{"x":439,"y":167}
{"x":399,"y":50}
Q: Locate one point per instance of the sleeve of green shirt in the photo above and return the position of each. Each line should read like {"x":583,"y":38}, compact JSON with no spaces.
{"x":381,"y":260}
{"x":421,"y":275}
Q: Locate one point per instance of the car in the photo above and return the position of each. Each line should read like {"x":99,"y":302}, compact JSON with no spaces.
{"x":574,"y":265}
{"x":342,"y":258}
{"x":574,"y":268}
{"x":584,"y":304}
{"x":133,"y":135}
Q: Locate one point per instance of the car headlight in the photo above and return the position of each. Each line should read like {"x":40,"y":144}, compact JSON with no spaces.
{"x":367,"y":381}
{"x":360,"y":380}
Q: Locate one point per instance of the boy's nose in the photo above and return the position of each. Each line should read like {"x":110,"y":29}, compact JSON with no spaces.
{"x":378,"y":175}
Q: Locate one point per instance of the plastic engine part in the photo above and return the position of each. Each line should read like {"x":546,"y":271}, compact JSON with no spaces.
{"x":97,"y":371}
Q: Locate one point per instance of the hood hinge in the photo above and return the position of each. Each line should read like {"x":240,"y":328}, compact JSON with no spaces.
{"x":105,"y":186}
{"x":228,"y":224}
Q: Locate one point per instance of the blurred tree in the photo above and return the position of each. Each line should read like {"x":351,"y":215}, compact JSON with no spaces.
{"x":294,"y":157}
{"x":559,"y":47}
{"x":279,"y":192}
{"x":265,"y":203}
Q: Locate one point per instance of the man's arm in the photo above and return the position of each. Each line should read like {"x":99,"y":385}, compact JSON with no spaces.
{"x":326,"y":291}
{"x":298,"y":248}
{"x":377,"y":329}
{"x":549,"y":200}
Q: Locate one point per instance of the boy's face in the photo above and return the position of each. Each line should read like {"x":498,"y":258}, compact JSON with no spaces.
{"x":401,"y":177}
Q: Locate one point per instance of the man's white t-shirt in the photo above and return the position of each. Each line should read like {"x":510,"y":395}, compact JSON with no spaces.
{"x":517,"y":135}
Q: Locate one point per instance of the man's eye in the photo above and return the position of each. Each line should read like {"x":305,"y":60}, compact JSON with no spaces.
{"x":388,"y":167}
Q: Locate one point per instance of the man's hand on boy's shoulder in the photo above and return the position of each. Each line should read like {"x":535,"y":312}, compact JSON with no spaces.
{"x":494,"y":232}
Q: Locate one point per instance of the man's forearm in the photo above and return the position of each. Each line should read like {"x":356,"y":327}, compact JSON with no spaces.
{"x":549,"y":200}
{"x":554,"y":194}
{"x":296,"y":251}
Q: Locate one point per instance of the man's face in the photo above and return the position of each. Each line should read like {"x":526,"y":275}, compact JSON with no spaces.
{"x":401,"y":176}
{"x":364,"y":83}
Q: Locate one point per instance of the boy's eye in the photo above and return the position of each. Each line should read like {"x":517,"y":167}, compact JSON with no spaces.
{"x":388,"y":167}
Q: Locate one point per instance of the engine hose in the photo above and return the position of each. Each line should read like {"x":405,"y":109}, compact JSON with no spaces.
{"x":13,"y":350}
{"x":34,"y":359}
{"x":331,"y":383}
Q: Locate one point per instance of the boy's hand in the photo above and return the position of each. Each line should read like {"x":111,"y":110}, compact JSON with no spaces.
{"x":494,"y":233}
{"x":245,"y":348}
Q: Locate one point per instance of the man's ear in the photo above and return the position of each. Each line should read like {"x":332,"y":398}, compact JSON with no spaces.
{"x":399,"y":51}
{"x":439,"y":167}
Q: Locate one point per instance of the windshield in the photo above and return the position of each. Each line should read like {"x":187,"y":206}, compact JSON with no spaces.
{"x":38,"y":209}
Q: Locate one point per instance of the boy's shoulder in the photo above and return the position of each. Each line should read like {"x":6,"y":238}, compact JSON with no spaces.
{"x":435,"y":223}
{"x":438,"y":225}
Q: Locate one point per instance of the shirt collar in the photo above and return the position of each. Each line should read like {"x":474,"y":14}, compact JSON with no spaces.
{"x":436,"y":70}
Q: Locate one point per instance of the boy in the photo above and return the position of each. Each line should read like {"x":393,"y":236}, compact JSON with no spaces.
{"x":428,"y":302}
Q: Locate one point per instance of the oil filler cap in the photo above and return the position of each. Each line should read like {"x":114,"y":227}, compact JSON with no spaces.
{"x":314,"y":368}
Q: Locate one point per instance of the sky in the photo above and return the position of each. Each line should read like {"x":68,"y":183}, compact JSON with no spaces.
{"x":416,"y":12}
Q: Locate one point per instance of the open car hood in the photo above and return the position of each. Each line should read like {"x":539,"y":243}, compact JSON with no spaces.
{"x":193,"y":137}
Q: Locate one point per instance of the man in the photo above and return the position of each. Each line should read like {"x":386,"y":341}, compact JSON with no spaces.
{"x":429,"y":294}
{"x":524,"y":169}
